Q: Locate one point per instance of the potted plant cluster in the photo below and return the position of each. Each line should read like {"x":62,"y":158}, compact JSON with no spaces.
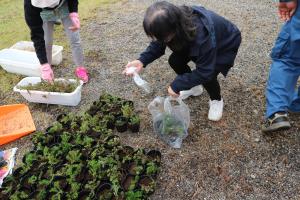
{"x":61,"y":92}
{"x":116,"y":113}
{"x":79,"y":157}
{"x":62,"y":86}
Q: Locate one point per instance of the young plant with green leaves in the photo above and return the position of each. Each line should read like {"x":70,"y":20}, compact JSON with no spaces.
{"x":127,"y":111}
{"x":134,"y":195}
{"x":74,"y":156}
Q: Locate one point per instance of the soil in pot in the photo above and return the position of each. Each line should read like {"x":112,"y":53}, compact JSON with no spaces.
{"x":57,"y":86}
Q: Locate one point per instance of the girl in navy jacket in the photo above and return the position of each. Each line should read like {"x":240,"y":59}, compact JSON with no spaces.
{"x":193,"y":34}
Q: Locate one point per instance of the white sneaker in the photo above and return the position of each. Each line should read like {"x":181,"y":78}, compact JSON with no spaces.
{"x":215,"y":110}
{"x":195,"y":91}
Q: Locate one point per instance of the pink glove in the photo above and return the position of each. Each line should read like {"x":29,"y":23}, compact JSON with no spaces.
{"x":47,"y":73}
{"x":75,"y":21}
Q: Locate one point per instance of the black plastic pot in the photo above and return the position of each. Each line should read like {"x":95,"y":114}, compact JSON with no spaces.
{"x":94,"y":108}
{"x":17,"y":173}
{"x":26,"y":185}
{"x":104,"y":191}
{"x":128,"y":102}
{"x":84,"y":194}
{"x":25,"y":157}
{"x":81,"y":176}
{"x":146,"y":184}
{"x":47,"y":129}
{"x":60,"y":117}
{"x":10,"y":182}
{"x":131,"y":168}
{"x":110,"y":125}
{"x":128,"y":149}
{"x":134,"y":128}
{"x":154,"y":155}
{"x":39,"y":194}
{"x":109,"y":139}
{"x":28,"y":190}
{"x":62,"y":180}
{"x":85,"y":154}
{"x":121,"y":124}
{"x":46,"y":174}
{"x":34,"y":166}
{"x":59,"y":165}
{"x":127,"y":182}
{"x":94,"y":134}
{"x":88,"y":177}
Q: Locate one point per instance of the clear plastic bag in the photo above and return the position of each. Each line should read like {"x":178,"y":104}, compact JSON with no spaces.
{"x":141,"y":83}
{"x":170,"y":122}
{"x":7,"y":162}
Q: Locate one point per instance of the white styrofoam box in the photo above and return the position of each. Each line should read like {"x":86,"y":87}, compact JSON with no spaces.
{"x":20,"y":62}
{"x":66,"y":99}
{"x":28,"y":46}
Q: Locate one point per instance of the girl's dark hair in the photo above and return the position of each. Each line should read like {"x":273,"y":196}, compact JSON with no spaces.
{"x":163,"y":19}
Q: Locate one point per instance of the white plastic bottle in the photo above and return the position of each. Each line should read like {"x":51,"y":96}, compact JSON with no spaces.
{"x":141,"y":83}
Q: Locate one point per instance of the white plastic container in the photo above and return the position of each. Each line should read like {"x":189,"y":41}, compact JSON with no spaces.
{"x":66,"y":99}
{"x":20,"y":62}
{"x":28,"y":46}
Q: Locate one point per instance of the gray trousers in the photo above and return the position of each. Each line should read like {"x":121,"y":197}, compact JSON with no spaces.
{"x":74,"y":38}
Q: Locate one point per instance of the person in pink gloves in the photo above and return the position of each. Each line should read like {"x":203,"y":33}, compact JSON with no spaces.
{"x":40,"y":16}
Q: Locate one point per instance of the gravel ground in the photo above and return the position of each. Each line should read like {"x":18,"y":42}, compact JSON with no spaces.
{"x":230,"y":159}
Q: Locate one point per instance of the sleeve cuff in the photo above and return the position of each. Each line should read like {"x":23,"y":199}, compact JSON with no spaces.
{"x":145,"y":63}
{"x":175,"y":87}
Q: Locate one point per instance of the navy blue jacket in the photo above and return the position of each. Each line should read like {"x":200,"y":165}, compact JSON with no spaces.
{"x":213,"y":50}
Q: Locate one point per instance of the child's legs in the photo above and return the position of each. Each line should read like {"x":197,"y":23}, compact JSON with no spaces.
{"x":281,"y":86}
{"x":295,"y":105}
{"x":178,"y":62}
{"x":74,"y":38}
{"x":48,"y":36}
{"x":213,"y":88}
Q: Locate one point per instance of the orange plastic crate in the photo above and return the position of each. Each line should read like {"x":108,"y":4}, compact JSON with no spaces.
{"x":15,"y":122}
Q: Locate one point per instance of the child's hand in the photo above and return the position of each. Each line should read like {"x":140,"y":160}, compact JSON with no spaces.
{"x":75,"y":21}
{"x":137,"y":64}
{"x":172,"y":93}
{"x":47,"y":73}
{"x":287,"y":10}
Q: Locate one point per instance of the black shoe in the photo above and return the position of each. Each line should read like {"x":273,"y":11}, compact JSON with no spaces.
{"x":278,"y":121}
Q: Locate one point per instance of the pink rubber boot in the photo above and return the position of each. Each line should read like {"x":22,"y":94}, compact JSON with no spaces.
{"x":82,"y":74}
